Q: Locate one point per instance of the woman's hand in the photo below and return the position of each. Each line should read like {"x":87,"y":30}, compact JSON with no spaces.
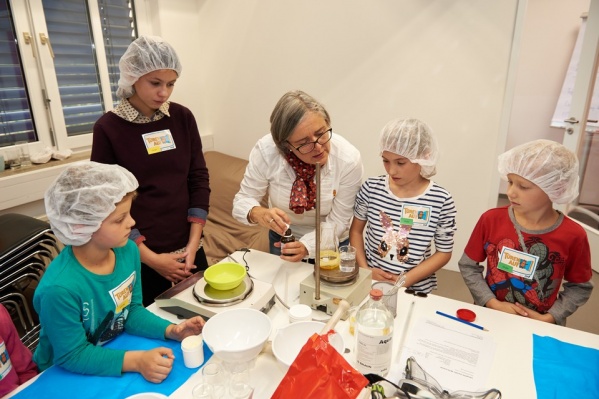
{"x":272,"y":218}
{"x":293,"y":251}
{"x":184,"y":329}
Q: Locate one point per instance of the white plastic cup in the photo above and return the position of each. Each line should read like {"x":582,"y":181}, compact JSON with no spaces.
{"x":300,"y":313}
{"x":347,"y":254}
{"x":193,"y":351}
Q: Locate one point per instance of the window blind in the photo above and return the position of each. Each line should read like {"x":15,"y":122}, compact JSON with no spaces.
{"x":119,"y":30}
{"x":16,"y":122}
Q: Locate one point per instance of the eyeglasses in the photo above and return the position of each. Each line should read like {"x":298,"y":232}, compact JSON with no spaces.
{"x":309,"y":147}
{"x":418,"y":384}
{"x":416,"y":293}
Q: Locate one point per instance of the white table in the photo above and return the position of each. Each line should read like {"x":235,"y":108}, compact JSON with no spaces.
{"x":511,"y":334}
{"x":285,"y":277}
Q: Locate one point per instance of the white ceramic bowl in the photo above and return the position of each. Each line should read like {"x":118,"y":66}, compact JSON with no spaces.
{"x":237,"y":335}
{"x":289,"y":340}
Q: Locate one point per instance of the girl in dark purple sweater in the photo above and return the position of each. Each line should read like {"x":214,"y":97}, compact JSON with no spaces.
{"x":158,"y":141}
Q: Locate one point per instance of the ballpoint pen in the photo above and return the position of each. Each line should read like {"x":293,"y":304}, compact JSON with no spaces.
{"x":462,"y":321}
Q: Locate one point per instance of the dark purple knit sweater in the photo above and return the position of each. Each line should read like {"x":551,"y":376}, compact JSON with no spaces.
{"x":170,"y":182}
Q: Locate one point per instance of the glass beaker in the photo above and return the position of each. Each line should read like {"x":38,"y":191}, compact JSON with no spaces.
{"x":329,"y":246}
{"x":24,"y":158}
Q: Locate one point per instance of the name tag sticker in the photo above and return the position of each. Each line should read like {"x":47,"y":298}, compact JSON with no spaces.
{"x":5,"y":363}
{"x":420,"y":215}
{"x":518,"y":263}
{"x":159,"y":141}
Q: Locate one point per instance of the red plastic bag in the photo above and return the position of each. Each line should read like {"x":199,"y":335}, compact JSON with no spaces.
{"x":319,"y":371}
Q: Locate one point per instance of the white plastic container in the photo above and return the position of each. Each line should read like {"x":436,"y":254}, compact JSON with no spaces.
{"x":300,"y":313}
{"x":374,"y":336}
{"x":193,"y":351}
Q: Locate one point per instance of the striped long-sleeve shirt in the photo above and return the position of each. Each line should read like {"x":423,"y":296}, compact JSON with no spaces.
{"x":432,"y":215}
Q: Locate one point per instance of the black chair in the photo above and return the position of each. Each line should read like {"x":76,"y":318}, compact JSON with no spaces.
{"x":27,"y":246}
{"x":19,"y":234}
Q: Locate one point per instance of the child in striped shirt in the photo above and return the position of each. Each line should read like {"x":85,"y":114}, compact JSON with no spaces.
{"x":404,"y":211}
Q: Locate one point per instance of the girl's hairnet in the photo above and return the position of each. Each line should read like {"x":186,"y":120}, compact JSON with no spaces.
{"x":546,"y":163}
{"x":413,"y":139}
{"x":144,"y":55}
{"x":83,"y":196}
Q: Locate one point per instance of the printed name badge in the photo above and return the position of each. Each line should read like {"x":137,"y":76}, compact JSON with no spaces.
{"x":159,"y":141}
{"x":518,"y":263}
{"x":420,"y":215}
{"x":5,"y":363}
{"x":121,"y":295}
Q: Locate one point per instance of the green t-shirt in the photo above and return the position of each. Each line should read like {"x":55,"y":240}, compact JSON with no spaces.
{"x":79,"y":311}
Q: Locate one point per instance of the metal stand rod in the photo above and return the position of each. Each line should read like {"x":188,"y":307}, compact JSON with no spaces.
{"x":317,"y":227}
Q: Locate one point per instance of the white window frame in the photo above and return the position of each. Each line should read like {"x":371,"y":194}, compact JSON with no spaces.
{"x":28,"y":185}
{"x":40,"y":75}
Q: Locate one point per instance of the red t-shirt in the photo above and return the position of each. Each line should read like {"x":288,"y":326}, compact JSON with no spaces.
{"x":563,"y":252}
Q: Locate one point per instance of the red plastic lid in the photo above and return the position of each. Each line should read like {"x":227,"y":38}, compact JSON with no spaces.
{"x":466,"y":315}
{"x":376,"y":294}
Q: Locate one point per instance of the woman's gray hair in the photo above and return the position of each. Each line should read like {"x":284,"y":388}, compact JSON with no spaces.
{"x":288,"y":113}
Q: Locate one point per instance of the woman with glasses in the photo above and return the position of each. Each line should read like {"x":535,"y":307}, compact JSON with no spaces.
{"x":282,"y":165}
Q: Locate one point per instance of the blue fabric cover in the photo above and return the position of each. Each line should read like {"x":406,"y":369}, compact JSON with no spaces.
{"x":57,"y":382}
{"x":562,"y":370}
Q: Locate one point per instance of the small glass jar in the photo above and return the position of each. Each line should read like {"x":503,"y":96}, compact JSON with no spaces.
{"x":329,"y":247}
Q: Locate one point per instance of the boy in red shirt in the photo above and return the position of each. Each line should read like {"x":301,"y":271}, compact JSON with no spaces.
{"x":530,"y":247}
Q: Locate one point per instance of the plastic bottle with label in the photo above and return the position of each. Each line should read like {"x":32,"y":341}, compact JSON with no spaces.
{"x":374,"y":334}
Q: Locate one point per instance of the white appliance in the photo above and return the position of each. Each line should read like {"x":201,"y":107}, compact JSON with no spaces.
{"x":181,"y":301}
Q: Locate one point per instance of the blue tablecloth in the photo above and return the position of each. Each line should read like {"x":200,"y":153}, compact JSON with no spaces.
{"x":56,"y":382}
{"x":563,"y":370}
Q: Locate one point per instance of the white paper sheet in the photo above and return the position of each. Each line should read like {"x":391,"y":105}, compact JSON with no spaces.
{"x":458,"y":356}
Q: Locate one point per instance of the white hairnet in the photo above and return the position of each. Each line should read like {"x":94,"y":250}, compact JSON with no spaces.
{"x":82,"y":196}
{"x":546,"y":163}
{"x":413,"y":139}
{"x":144,"y":55}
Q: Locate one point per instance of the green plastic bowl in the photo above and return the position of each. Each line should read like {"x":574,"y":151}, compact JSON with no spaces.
{"x":225,"y":276}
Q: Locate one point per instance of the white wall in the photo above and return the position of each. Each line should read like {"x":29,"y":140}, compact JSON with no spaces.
{"x":548,"y":38}
{"x":445,"y":62}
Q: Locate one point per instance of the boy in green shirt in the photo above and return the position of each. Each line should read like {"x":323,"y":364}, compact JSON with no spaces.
{"x":91,"y":292}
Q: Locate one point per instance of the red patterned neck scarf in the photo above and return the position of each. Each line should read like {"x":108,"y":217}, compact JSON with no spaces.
{"x":303,"y":191}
